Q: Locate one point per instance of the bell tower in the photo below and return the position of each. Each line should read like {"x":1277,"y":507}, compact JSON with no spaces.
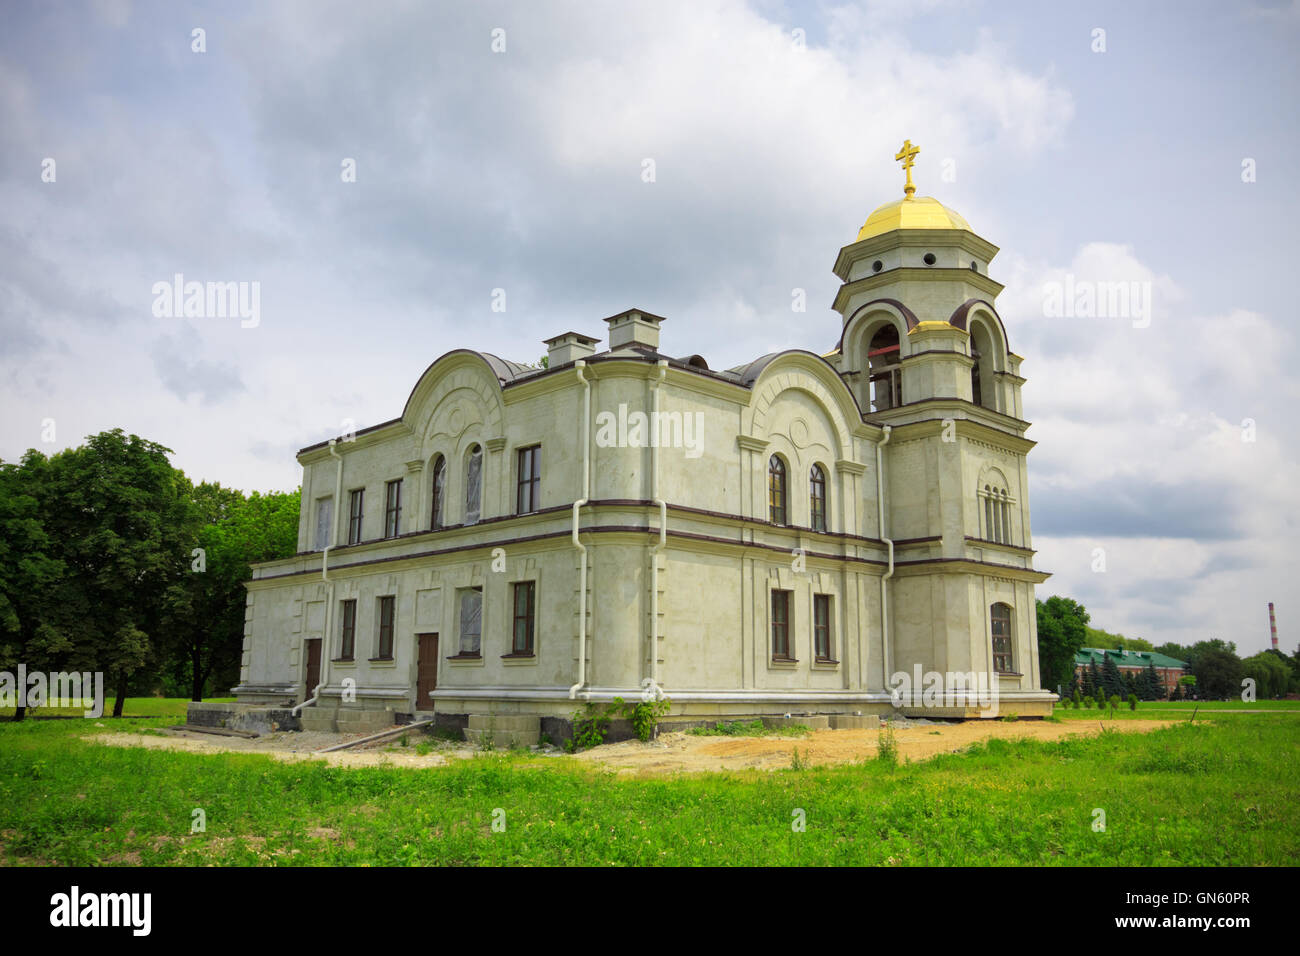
{"x":913,"y":283}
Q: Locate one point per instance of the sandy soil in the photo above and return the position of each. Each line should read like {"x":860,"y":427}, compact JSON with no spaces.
{"x":671,"y":753}
{"x":920,"y":741}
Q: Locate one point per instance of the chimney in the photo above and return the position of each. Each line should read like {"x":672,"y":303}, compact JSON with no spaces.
{"x":568,"y":347}
{"x":632,"y":328}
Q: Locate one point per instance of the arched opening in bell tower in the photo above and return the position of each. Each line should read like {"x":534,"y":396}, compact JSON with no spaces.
{"x":884,"y":357}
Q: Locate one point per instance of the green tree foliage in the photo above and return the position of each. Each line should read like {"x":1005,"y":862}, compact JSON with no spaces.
{"x":204,"y":622}
{"x":99,"y":569}
{"x":1217,"y":669}
{"x":1271,"y":673}
{"x":1152,"y":687}
{"x":1062,"y":630}
{"x":1179,"y":652}
{"x":1105,"y":639}
{"x":1112,"y":682}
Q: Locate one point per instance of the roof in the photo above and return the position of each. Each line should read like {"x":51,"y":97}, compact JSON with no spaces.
{"x":922,"y":212}
{"x":1088,"y":655}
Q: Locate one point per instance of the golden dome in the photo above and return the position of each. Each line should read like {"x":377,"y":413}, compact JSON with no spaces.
{"x":921,"y":212}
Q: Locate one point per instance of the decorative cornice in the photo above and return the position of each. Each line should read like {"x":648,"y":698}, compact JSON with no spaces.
{"x":749,"y":443}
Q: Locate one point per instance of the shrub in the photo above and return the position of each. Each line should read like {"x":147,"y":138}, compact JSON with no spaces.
{"x":645,"y":715}
{"x":1075,"y":698}
{"x":1132,"y":702}
{"x":1088,"y":703}
{"x":887,"y":746}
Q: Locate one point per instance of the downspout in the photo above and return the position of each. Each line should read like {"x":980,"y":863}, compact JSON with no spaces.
{"x":889,"y":543}
{"x":325,"y":576}
{"x":663,"y":536}
{"x":579,"y":367}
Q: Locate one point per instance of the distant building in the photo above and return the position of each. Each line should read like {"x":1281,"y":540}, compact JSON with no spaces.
{"x":1169,"y":668}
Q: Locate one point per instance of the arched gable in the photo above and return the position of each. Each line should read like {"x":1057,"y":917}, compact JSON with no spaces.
{"x":457,"y":391}
{"x":866,"y":321}
{"x":810,"y":374}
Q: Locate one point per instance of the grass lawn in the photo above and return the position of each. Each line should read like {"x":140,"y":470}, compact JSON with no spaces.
{"x":173,"y":707}
{"x":1220,"y":791}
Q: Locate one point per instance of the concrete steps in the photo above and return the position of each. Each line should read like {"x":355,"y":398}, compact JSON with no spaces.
{"x":503,"y":731}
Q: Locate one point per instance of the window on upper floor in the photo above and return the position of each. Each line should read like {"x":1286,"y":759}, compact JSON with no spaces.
{"x":996,"y":514}
{"x":324,"y":523}
{"x":884,"y":368}
{"x":1000,"y":623}
{"x":777,"y":498}
{"x":528,"y":491}
{"x":356,"y":504}
{"x":473,"y":484}
{"x":817,"y":498}
{"x":393,"y":508}
{"x":438,"y":515}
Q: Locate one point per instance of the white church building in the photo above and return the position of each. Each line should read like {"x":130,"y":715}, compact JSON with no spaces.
{"x":776,"y":538}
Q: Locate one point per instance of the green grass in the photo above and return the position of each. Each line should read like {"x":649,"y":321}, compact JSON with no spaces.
{"x":752,"y":728}
{"x":174,"y":707}
{"x":1211,"y":793}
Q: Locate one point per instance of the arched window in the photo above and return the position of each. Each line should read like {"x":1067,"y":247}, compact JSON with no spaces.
{"x":1000,"y":626}
{"x":1006,"y":517}
{"x":438,"y":516}
{"x":473,"y":483}
{"x":885,"y":370}
{"x":982,"y":352}
{"x":988,"y":514}
{"x":776,"y":490}
{"x":817,"y":498}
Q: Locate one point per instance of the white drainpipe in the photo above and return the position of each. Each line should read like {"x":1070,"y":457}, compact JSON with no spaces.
{"x":884,"y":585}
{"x":325,"y":576}
{"x":663,"y":537}
{"x":580,"y":367}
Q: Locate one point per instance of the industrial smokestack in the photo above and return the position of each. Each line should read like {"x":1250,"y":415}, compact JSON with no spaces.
{"x":1272,"y":624}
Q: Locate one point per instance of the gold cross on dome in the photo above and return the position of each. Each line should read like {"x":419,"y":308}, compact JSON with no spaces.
{"x":905,"y":155}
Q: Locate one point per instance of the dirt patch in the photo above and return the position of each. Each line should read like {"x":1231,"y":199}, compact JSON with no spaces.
{"x":686,"y":752}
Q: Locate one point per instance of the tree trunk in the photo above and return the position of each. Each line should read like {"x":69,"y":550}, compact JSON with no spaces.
{"x":120,"y":702}
{"x":196,"y":673}
{"x":19,"y":713}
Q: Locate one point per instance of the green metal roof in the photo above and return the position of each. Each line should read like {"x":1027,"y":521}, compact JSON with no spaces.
{"x":1087,"y":655}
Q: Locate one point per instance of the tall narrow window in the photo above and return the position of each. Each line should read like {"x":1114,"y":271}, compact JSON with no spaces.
{"x":439,"y":493}
{"x":324,"y":522}
{"x":822,"y":627}
{"x":473,"y":484}
{"x":988,"y":513}
{"x":1006,"y":517}
{"x":976,"y":395}
{"x":525,"y":612}
{"x":776,"y":497}
{"x":1000,"y":618}
{"x":355,"y":503}
{"x":348,"y":635}
{"x":384,"y":651}
{"x":528,"y":495}
{"x":817,"y":497}
{"x":393,"y":509}
{"x":781,"y":625}
{"x":471,"y":622}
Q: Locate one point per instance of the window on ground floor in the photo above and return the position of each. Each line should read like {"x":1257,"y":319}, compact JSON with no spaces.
{"x":525,"y":601}
{"x":781,"y":626}
{"x":1000,"y":617}
{"x":471,"y":622}
{"x":822,"y":627}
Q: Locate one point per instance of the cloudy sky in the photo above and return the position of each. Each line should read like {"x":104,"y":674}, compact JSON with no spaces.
{"x":1161,"y":151}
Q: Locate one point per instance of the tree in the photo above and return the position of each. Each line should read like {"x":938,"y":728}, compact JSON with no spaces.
{"x":1118,"y":642}
{"x":1112,"y":683}
{"x":204,"y":620}
{"x":1272,"y":675}
{"x":123,"y":520}
{"x":1152,"y":687}
{"x":1178,"y":652}
{"x":32,"y":599}
{"x":1062,"y":630}
{"x":1217,"y":669}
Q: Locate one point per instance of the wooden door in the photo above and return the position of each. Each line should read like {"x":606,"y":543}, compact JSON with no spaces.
{"x":313,"y":667}
{"x":426,"y":670}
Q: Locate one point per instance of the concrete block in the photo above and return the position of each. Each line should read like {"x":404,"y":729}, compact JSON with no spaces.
{"x":811,"y":721}
{"x":854,"y":722}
